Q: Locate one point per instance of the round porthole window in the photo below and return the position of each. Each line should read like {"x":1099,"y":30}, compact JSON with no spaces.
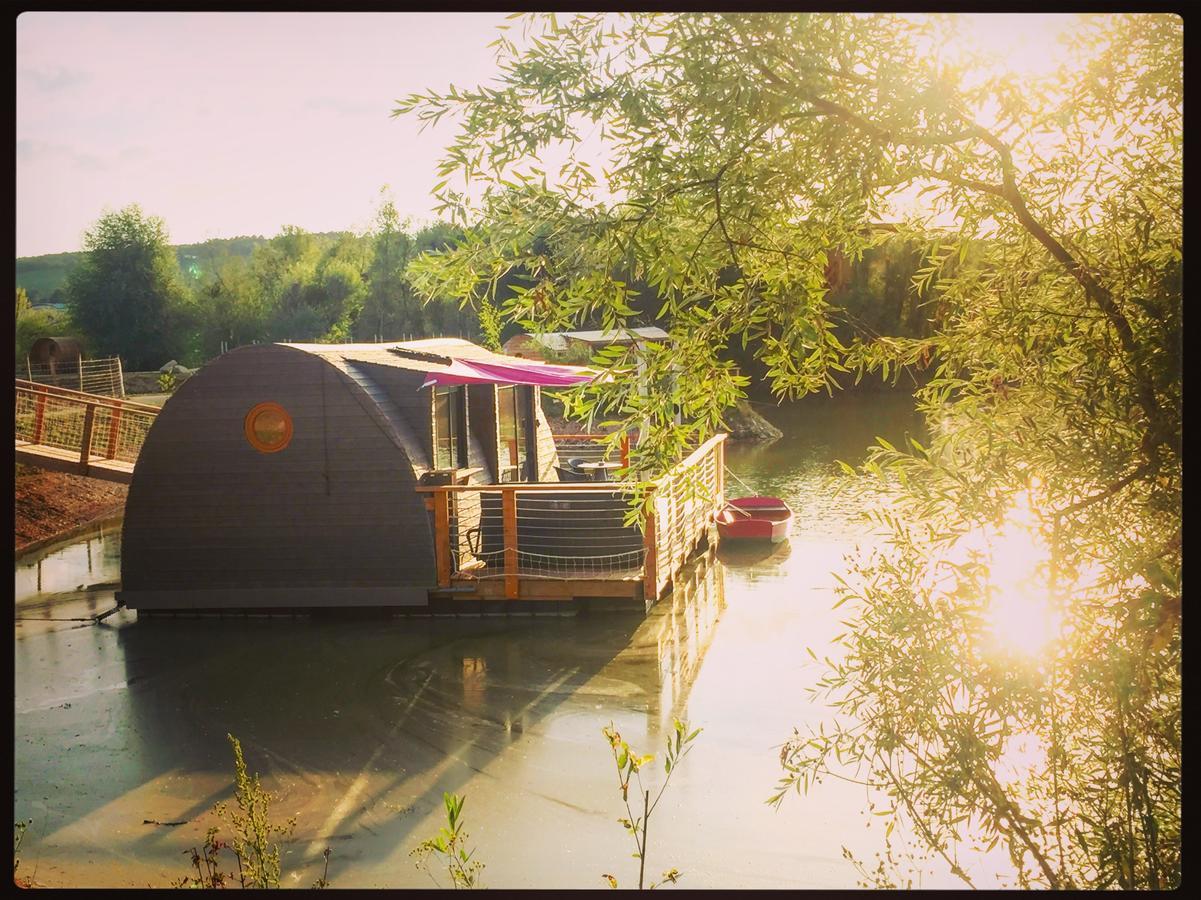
{"x":268,"y":428}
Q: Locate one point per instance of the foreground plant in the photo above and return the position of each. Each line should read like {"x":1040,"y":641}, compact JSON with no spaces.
{"x":253,"y":830}
{"x":629,"y":766}
{"x":206,"y":862}
{"x":323,"y":881}
{"x":252,"y":842}
{"x":19,"y":829}
{"x":449,"y":848}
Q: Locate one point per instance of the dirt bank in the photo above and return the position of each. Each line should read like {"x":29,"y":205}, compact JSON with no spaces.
{"x":51,"y":503}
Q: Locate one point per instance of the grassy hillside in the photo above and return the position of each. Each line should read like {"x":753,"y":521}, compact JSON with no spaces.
{"x":43,"y":276}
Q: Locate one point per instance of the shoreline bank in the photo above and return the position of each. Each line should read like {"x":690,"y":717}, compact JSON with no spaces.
{"x":54,"y":506}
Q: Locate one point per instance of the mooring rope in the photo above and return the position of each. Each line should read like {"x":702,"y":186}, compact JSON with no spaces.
{"x":745,"y":487}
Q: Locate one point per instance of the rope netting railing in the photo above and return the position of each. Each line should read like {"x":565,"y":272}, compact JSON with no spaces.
{"x":67,"y":420}
{"x":119,"y":433}
{"x":545,"y":531}
{"x":567,"y":530}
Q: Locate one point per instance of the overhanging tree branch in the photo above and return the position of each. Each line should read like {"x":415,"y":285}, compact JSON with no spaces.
{"x":1096,"y":292}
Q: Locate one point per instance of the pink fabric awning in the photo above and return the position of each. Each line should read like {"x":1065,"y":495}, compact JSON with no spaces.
{"x":462,"y":371}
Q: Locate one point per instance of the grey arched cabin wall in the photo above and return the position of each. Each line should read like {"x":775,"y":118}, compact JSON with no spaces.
{"x":331,"y":520}
{"x":416,"y":404}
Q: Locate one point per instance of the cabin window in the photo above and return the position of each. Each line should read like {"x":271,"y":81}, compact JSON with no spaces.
{"x":268,"y":427}
{"x":515,"y":406}
{"x":450,"y":428}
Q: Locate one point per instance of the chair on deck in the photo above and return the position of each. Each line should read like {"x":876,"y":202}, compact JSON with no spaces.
{"x":570,"y":474}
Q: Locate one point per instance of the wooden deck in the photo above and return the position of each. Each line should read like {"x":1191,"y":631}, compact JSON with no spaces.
{"x":548,"y":538}
{"x":57,"y":459}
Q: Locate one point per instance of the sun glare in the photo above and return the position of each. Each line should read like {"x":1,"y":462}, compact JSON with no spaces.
{"x":1021,"y":44}
{"x":1023,"y":754}
{"x":1020,"y":614}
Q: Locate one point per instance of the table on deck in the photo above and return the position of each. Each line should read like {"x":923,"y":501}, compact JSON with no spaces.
{"x":598,"y":471}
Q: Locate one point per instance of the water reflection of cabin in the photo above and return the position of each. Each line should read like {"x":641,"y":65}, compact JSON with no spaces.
{"x":285,"y":476}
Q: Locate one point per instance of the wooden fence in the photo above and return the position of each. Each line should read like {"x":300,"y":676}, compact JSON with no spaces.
{"x":91,"y":376}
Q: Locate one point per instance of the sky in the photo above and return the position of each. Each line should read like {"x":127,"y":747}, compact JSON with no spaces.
{"x":226,"y":124}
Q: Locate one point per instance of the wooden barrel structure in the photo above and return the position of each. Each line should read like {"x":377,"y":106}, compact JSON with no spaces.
{"x":56,"y":352}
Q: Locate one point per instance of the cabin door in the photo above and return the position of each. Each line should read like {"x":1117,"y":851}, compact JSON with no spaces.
{"x":518,"y":455}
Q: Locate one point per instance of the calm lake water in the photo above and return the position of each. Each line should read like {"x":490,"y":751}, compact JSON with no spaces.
{"x":359,"y":726}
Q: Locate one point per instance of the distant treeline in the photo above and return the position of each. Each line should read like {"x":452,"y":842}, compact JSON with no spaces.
{"x":129,"y":293}
{"x":198,"y":300}
{"x":44,"y":277}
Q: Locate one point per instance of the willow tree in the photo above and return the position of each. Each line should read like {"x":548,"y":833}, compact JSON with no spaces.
{"x":731,"y":155}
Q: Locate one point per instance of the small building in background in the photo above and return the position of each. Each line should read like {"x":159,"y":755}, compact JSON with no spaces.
{"x":55,"y":353}
{"x":578,"y":345}
{"x":60,"y":361}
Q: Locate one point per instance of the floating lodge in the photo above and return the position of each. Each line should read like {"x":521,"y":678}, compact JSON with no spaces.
{"x":417,"y":474}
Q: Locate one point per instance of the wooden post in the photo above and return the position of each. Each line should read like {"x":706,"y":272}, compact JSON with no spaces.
{"x":85,"y":446}
{"x":39,"y":416}
{"x":509,"y":510}
{"x":650,"y":565}
{"x":113,"y":427}
{"x":28,"y":368}
{"x":442,"y":536}
{"x":120,"y":379}
{"x":720,"y":476}
{"x":81,"y":371}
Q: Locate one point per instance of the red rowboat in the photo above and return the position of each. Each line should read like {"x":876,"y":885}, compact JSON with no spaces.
{"x":754,"y":519}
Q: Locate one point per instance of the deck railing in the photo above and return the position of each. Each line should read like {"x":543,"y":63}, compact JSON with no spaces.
{"x":94,"y":427}
{"x":683,"y":503}
{"x":575,"y":531}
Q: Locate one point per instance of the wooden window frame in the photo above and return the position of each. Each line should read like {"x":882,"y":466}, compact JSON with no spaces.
{"x":527,"y":467}
{"x":458,"y":412}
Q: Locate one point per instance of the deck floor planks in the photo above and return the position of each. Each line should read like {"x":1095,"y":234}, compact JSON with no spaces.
{"x":60,"y":460}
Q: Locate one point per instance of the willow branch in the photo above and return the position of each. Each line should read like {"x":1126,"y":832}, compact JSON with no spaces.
{"x":1096,"y":292}
{"x":1107,"y":492}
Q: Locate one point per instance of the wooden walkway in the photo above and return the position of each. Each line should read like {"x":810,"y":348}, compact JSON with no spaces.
{"x":80,"y":433}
